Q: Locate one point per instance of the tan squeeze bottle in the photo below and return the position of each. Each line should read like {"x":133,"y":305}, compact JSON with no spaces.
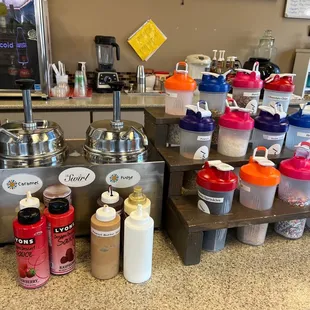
{"x":137,"y":198}
{"x":105,"y":243}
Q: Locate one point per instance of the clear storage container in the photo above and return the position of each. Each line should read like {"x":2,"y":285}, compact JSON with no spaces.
{"x":279,"y":88}
{"x":299,"y":129}
{"x":235,"y":130}
{"x":259,"y":180}
{"x":213,"y":89}
{"x":294,"y":188}
{"x":216,"y":184}
{"x":196,"y":130}
{"x":270,"y":128}
{"x":180,"y":90}
{"x":247,"y":86}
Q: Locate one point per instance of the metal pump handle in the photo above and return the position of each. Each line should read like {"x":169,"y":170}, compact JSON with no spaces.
{"x":116,"y":87}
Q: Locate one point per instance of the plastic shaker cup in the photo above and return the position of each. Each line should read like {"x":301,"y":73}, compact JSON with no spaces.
{"x":180,"y":90}
{"x":247,"y":86}
{"x":270,"y":128}
{"x":196,"y":130}
{"x":299,"y":129}
{"x":235,"y":130}
{"x":213,"y":89}
{"x":216,"y":184}
{"x":294,"y":188}
{"x":259,"y":180}
{"x":279,"y":88}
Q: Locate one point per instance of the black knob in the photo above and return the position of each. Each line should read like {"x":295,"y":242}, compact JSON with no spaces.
{"x":116,"y":85}
{"x":25,"y":83}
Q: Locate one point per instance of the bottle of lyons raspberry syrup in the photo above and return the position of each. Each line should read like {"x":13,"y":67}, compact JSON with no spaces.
{"x":61,"y":235}
{"x":31,"y":248}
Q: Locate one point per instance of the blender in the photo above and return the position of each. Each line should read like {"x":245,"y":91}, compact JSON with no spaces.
{"x":106,"y":73}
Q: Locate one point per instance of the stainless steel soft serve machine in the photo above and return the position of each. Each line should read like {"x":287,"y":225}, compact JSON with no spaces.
{"x":35,"y":155}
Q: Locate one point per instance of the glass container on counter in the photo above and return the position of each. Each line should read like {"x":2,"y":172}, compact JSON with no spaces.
{"x":279,"y":88}
{"x":196,"y":130}
{"x":235,"y":129}
{"x":270,"y":128}
{"x":294,"y":188}
{"x":216,"y":184}
{"x":213,"y":89}
{"x":180,"y":90}
{"x":259,"y":180}
{"x":247,"y":86}
{"x":299,"y":129}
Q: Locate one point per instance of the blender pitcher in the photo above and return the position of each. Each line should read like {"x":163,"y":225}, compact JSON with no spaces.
{"x":104,"y":50}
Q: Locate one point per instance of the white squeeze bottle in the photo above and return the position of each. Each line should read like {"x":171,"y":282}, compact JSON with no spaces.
{"x":138,"y":246}
{"x":30,"y":202}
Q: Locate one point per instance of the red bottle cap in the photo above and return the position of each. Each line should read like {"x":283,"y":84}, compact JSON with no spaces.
{"x":298,"y":167}
{"x":280,"y":82}
{"x":236,"y":118}
{"x":217,"y":176}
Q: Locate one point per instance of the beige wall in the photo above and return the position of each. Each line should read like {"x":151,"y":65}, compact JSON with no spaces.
{"x":197,"y":27}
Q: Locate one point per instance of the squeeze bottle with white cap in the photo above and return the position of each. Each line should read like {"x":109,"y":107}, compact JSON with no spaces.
{"x":112,"y":199}
{"x":31,"y":202}
{"x":135,"y":198}
{"x":105,"y":243}
{"x":138,"y":246}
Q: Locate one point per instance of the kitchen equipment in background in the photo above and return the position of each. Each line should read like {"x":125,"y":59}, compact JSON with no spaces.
{"x":82,"y":64}
{"x":279,"y":88}
{"x":247,"y":86}
{"x":180,"y":90}
{"x":258,"y":183}
{"x":214,"y":62}
{"x":105,"y":56}
{"x":160,"y":80}
{"x":105,"y":243}
{"x":221,"y":62}
{"x":216,"y":184}
{"x":235,"y":130}
{"x":264,"y":54}
{"x":294,"y":188}
{"x":115,"y":141}
{"x":197,"y":63}
{"x":299,"y":129}
{"x":213,"y":89}
{"x":270,"y":128}
{"x":31,"y":143}
{"x":138,"y":246}
{"x":26,"y":50}
{"x":80,"y":88}
{"x":141,"y":80}
{"x":196,"y":130}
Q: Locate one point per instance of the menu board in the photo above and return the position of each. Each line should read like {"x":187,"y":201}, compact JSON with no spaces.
{"x":297,"y":9}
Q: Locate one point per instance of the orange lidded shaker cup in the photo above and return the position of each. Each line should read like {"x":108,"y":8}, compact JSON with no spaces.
{"x":259,"y":180}
{"x":180,"y":90}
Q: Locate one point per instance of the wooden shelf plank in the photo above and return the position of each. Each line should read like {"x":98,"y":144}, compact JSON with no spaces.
{"x":176,"y":162}
{"x":196,"y":220}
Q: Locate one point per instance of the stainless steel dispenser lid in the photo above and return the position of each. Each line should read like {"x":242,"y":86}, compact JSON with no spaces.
{"x":42,"y":146}
{"x":105,"y":143}
{"x":115,"y":141}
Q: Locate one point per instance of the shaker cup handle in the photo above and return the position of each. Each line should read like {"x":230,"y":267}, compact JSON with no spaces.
{"x":260,"y":148}
{"x":210,"y":73}
{"x":255,"y":66}
{"x":183,"y":63}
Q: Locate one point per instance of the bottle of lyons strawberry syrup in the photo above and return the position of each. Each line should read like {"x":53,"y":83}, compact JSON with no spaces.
{"x":61,"y":235}
{"x":31,"y":248}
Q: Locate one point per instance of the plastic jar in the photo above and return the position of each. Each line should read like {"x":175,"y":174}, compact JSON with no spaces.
{"x":247,"y":86}
{"x":235,"y":130}
{"x":259,"y":180}
{"x":279,"y":88}
{"x":213,"y":89}
{"x":196,"y":130}
{"x":299,"y":129}
{"x":216,"y":184}
{"x":180,"y":90}
{"x":294,"y":188}
{"x":270,"y":128}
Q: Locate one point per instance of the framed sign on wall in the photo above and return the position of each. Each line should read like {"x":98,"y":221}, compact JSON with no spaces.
{"x":297,"y":9}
